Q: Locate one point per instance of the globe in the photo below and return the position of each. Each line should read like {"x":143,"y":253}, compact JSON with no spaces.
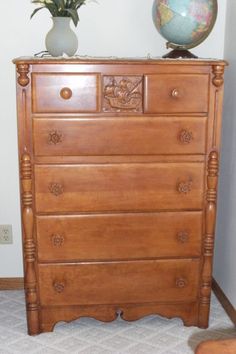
{"x":184,"y":23}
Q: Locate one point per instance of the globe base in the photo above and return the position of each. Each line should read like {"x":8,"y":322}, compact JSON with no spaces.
{"x":179,"y":53}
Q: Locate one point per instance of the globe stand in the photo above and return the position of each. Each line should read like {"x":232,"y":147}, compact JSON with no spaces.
{"x":180,"y":53}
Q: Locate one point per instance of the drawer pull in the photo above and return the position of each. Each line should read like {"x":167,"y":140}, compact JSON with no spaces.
{"x":175,"y":93}
{"x":56,"y":189}
{"x":181,"y":283}
{"x":184,"y":187}
{"x":185,"y":136}
{"x":54,"y":137}
{"x":183,"y":236}
{"x":59,"y":287}
{"x":66,"y":93}
{"x":57,"y":240}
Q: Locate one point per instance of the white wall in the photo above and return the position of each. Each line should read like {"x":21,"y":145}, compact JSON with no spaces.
{"x":225,"y":256}
{"x":110,"y":28}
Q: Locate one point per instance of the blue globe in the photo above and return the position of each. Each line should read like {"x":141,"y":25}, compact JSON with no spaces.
{"x":184,"y":23}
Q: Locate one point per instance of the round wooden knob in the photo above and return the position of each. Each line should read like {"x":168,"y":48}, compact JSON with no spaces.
{"x":181,"y":283}
{"x":175,"y":93}
{"x":184,"y":187}
{"x":56,"y":189}
{"x":54,"y":137}
{"x":185,"y":137}
{"x":57,"y":240}
{"x":66,"y":93}
{"x":183,"y":236}
{"x":59,"y":287}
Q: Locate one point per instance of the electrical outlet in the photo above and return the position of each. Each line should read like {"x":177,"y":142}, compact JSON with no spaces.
{"x":6,"y":234}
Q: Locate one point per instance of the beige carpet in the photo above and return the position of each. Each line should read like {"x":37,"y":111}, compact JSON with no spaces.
{"x":150,"y":335}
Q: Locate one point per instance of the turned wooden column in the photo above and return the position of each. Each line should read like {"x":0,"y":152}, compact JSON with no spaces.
{"x":29,"y":246}
{"x":210,"y":215}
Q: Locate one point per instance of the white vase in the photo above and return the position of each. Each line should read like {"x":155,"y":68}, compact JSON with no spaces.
{"x":61,"y":39}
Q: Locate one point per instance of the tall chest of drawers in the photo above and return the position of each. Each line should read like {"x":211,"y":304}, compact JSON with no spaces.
{"x":119,"y":165}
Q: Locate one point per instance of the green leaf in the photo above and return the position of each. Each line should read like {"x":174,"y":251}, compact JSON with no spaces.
{"x":61,"y":8}
{"x":79,"y":3}
{"x":36,"y":10}
{"x":74,"y":15}
{"x":53,"y":9}
{"x":60,"y":4}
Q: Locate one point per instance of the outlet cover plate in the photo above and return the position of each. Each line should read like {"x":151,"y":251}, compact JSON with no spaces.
{"x":6,"y":235}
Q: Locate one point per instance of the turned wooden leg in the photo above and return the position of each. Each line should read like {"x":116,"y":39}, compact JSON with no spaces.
{"x":29,"y":247}
{"x":205,"y":295}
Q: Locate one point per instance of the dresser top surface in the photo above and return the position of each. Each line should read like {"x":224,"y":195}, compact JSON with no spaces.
{"x":116,"y":60}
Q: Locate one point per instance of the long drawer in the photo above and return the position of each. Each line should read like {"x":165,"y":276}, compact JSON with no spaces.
{"x":119,"y":282}
{"x":119,"y":136}
{"x":118,"y":236}
{"x":119,"y":187}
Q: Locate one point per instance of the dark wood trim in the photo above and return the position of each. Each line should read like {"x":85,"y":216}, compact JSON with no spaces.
{"x":226,"y":304}
{"x":11,"y":283}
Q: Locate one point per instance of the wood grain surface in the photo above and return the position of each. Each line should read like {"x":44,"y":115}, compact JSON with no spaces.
{"x":119,"y":168}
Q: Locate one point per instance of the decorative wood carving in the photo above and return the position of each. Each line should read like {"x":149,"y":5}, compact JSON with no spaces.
{"x":66,"y":93}
{"x":184,"y":187}
{"x":29,"y":246}
{"x":59,"y":287}
{"x":185,"y":136}
{"x":218,"y":79}
{"x":123,"y":94}
{"x":56,"y":189}
{"x":181,"y":283}
{"x":109,"y":313}
{"x":23,"y":71}
{"x":54,"y":137}
{"x":183,"y":236}
{"x":57,"y":240}
{"x":212,"y":179}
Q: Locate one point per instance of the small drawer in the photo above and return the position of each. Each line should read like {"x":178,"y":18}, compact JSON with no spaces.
{"x":119,"y":236}
{"x":176,"y":93}
{"x":119,"y":187}
{"x":65,"y":93}
{"x":119,"y":282}
{"x":123,"y":136}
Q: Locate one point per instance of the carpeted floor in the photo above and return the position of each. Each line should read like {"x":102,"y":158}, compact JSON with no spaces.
{"x":150,"y":335}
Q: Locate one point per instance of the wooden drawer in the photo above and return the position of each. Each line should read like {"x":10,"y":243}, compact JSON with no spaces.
{"x":176,"y":93}
{"x":119,"y":282}
{"x":123,"y":136}
{"x":119,"y":187}
{"x":119,"y":236}
{"x":65,"y":93}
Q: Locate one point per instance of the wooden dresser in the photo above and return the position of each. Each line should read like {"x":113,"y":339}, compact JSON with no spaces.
{"x":119,"y":167}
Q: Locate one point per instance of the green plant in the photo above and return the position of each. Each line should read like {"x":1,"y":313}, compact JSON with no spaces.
{"x":60,"y":8}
